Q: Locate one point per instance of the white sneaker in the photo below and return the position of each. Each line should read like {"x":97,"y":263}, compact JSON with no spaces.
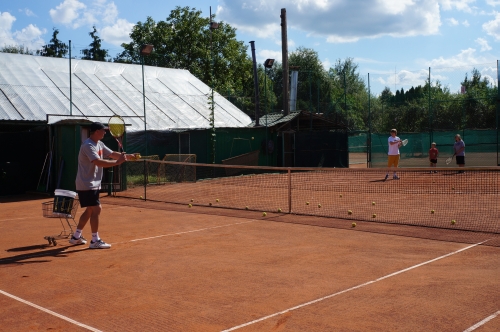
{"x":99,"y":244}
{"x":80,"y":240}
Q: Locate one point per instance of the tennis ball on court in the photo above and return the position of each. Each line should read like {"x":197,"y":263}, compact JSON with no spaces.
{"x":319,"y":205}
{"x":307,"y":203}
{"x":141,"y":197}
{"x":246,"y":207}
{"x":217,"y":200}
{"x":432,"y":211}
{"x":279,"y":210}
{"x":374,"y":215}
{"x":353,"y":224}
{"x":264,"y":214}
{"x":190,"y":205}
{"x":252,"y":137}
{"x":340,"y":195}
{"x":453,"y":222}
{"x":349,"y":212}
{"x":373,"y":203}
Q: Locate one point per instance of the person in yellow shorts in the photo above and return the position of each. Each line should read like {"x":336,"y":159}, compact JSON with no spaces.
{"x":393,"y":154}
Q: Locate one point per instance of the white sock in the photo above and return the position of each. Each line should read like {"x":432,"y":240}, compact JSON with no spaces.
{"x":95,"y":237}
{"x":77,"y":234}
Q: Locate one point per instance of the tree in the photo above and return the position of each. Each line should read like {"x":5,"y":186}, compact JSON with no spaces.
{"x":20,"y":49}
{"x":312,"y":79}
{"x":95,"y":52}
{"x":185,"y":41}
{"x":55,"y":48}
{"x":349,"y":93}
{"x":478,"y":102}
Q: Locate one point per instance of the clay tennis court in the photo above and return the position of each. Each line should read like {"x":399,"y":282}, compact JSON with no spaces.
{"x":176,"y":268}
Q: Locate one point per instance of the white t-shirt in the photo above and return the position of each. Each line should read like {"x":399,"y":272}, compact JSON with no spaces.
{"x":89,"y":176}
{"x":393,"y":148}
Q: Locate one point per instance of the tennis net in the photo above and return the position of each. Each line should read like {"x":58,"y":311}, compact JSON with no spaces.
{"x":445,"y":198}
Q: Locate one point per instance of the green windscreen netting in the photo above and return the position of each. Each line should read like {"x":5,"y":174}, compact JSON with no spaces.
{"x":480,"y":148}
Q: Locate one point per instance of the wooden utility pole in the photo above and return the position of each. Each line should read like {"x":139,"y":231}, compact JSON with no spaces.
{"x":284,"y":55}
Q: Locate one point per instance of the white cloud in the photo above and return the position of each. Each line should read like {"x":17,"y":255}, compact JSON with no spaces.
{"x":465,"y":58}
{"x":492,"y":28}
{"x":484,"y":44}
{"x":266,"y":31}
{"x":338,"y":21}
{"x":75,"y":14}
{"x":118,"y":33}
{"x":460,"y":5}
{"x":493,"y":3}
{"x":446,"y":70}
{"x":465,"y":23}
{"x":452,"y":21}
{"x":67,"y":12}
{"x":326,"y":64}
{"x":109,"y":12}
{"x":366,"y":60}
{"x":268,"y":54}
{"x":6,"y":21}
{"x":340,"y":39}
{"x":405,"y":78}
{"x":27,"y":12}
{"x":29,"y":36}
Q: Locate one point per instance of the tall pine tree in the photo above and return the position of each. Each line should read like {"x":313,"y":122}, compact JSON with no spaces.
{"x":95,"y":52}
{"x":55,"y":49}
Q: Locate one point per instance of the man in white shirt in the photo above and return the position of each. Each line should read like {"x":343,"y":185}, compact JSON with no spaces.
{"x":91,"y":161}
{"x":393,"y":154}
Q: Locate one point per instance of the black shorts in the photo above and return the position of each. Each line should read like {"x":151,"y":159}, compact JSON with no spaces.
{"x":434,"y":161}
{"x":88,"y":198}
{"x":460,"y":160}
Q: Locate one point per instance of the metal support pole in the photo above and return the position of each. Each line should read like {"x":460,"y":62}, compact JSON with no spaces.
{"x":255,"y":85}
{"x":213,"y":25}
{"x":289,"y":190}
{"x":310,"y":101}
{"x":284,"y":57}
{"x":145,"y":124}
{"x":267,"y":113}
{"x":368,"y":145}
{"x":144,"y":106}
{"x":70,"y":89}
{"x":431,"y":138}
{"x":498,"y":114}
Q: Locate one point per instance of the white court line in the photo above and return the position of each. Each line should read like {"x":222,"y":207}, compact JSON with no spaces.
{"x":15,"y":219}
{"x":153,"y":237}
{"x":186,"y":232}
{"x":90,"y":328}
{"x":481,"y":323}
{"x":350,"y":289}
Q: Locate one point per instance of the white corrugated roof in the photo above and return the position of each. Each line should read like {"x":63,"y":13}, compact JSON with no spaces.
{"x":35,"y":88}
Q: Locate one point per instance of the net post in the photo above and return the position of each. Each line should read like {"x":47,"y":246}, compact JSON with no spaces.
{"x":145,"y":179}
{"x":289,"y":190}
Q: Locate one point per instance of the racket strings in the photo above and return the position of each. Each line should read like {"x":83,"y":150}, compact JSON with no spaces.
{"x":116,"y":126}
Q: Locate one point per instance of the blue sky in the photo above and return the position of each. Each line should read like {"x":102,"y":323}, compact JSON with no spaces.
{"x":394,"y":41}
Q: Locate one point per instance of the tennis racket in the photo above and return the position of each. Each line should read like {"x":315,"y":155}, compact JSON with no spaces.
{"x":404,"y":142}
{"x":448,"y":161}
{"x":117,"y":129}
